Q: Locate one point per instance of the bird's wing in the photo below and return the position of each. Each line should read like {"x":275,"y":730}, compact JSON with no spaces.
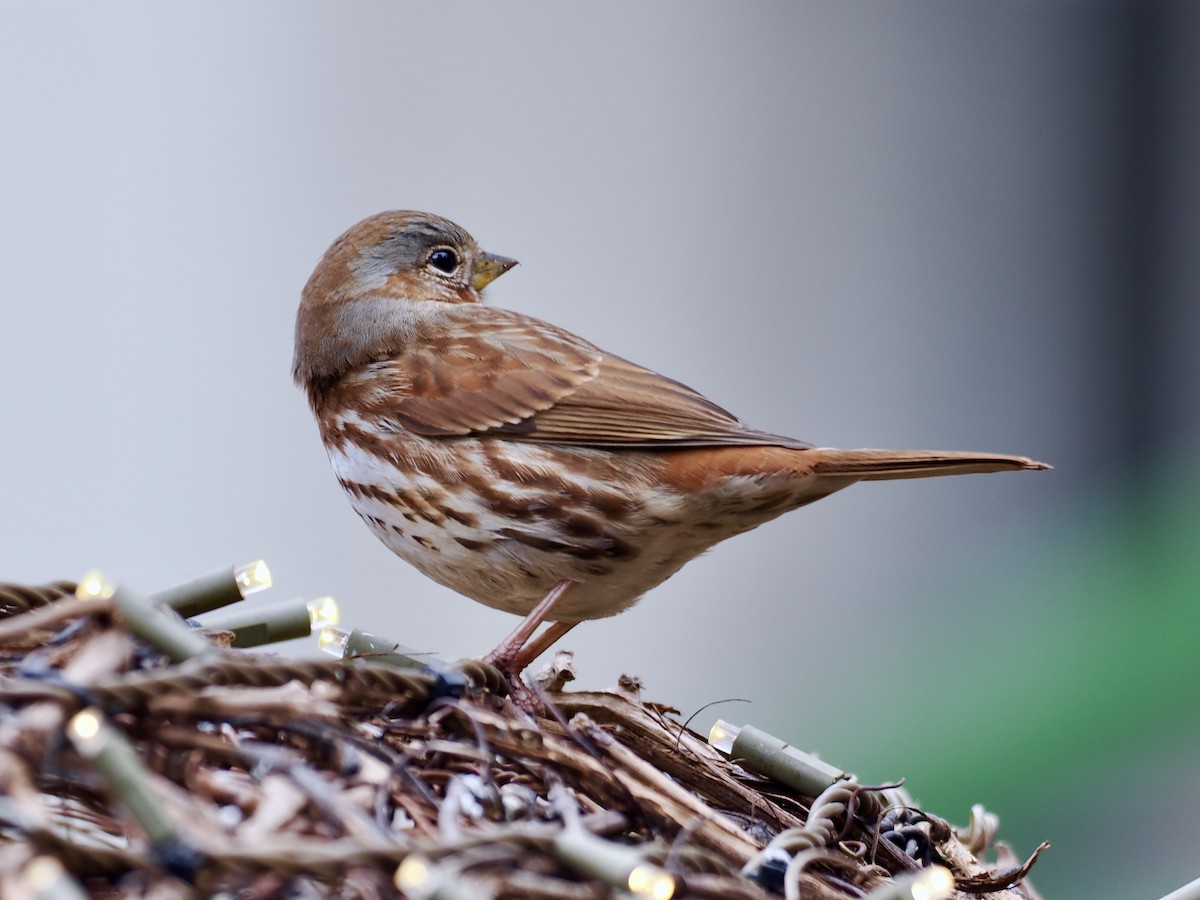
{"x":516,"y":377}
{"x":627,"y":405}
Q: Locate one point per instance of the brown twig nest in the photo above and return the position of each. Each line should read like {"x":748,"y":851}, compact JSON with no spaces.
{"x":256,"y":776}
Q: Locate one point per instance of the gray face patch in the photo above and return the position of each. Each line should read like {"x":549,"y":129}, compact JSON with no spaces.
{"x":379,"y":262}
{"x":372,"y":269}
{"x":406,"y":247}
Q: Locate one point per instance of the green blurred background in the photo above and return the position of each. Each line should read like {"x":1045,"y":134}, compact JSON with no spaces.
{"x":902,"y":224}
{"x":1066,"y":701}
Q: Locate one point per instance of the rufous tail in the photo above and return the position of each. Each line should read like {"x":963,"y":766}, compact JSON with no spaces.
{"x":885,"y":465}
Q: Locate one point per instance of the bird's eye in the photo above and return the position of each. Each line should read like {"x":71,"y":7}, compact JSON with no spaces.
{"x":444,"y":260}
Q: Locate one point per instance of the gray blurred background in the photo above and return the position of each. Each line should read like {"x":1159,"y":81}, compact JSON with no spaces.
{"x":924,"y":224}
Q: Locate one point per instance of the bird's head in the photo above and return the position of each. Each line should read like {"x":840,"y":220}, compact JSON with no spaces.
{"x":367,"y":274}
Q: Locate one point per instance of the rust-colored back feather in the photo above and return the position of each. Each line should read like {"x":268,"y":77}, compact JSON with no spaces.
{"x":491,"y":377}
{"x":507,"y":375}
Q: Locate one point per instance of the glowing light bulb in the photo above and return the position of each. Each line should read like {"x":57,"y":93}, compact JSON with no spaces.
{"x":619,"y":865}
{"x":412,"y":873}
{"x":114,"y":758}
{"x":50,"y":881}
{"x":934,"y":883}
{"x":85,"y":725}
{"x":333,"y":641}
{"x":722,"y":735}
{"x":43,"y":872}
{"x":323,"y":613}
{"x":651,"y":881}
{"x":95,"y":585}
{"x":252,"y":577}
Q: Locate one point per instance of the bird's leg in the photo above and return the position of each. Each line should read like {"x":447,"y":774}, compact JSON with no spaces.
{"x":541,"y":644}
{"x":512,"y":655}
{"x":508,"y":651}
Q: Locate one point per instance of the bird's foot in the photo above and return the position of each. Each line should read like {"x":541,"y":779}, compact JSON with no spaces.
{"x":521,"y":695}
{"x":517,"y":650}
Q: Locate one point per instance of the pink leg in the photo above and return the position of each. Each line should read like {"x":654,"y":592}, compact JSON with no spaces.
{"x":541,"y":644}
{"x":508,"y":653}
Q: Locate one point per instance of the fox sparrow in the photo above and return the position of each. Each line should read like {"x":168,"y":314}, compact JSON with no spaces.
{"x":521,"y":465}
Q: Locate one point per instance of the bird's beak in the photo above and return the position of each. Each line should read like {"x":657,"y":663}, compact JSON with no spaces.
{"x":489,"y":268}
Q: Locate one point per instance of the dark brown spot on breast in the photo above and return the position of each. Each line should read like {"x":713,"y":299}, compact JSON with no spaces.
{"x":532,"y":540}
{"x":523,"y":509}
{"x":600,"y":548}
{"x":419,"y":502}
{"x":569,"y":494}
{"x":581,"y":526}
{"x":611,"y":506}
{"x":376,"y":493}
{"x":461,"y":517}
{"x":370,"y":442}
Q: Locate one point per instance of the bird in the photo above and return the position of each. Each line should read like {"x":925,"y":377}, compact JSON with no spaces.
{"x":520,"y":464}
